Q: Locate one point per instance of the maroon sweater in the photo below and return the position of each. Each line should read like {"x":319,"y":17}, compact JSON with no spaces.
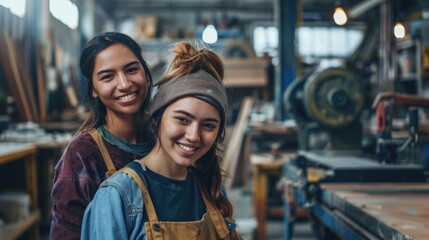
{"x":78,"y":174}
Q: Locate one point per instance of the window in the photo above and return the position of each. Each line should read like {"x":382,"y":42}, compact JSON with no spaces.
{"x":16,"y":7}
{"x":331,"y":41}
{"x":312,"y":41}
{"x":65,"y":11}
{"x":265,"y":39}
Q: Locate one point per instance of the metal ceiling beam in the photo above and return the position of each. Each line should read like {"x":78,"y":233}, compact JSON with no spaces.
{"x":362,"y":7}
{"x":125,"y":10}
{"x":203,"y":6}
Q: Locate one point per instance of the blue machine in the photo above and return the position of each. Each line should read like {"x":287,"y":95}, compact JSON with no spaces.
{"x":349,"y":194}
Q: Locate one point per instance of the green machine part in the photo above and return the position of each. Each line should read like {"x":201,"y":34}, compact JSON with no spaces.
{"x":293,"y":101}
{"x":330,"y":100}
{"x":333,"y":97}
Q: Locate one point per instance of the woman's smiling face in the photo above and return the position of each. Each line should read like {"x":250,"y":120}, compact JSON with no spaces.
{"x":119,"y":80}
{"x":189,"y":127}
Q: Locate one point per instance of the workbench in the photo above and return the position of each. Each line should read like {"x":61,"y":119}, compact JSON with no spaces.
{"x":352,"y":197}
{"x":267,"y":167}
{"x":264,"y":166}
{"x":375,"y":210}
{"x":11,"y":152}
{"x":259,"y":138}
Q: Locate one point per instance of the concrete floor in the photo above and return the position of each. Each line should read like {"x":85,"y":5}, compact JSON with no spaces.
{"x":302,"y":231}
{"x":242,"y":201}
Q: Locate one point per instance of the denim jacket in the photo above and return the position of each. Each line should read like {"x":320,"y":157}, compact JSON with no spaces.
{"x":119,"y":189}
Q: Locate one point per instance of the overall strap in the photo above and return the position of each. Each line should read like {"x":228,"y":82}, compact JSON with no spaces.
{"x":216,"y":216}
{"x":103,"y":149}
{"x":150,"y":209}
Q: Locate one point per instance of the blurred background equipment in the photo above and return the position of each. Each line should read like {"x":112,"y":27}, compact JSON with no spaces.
{"x":328,"y":101}
{"x":330,"y":179}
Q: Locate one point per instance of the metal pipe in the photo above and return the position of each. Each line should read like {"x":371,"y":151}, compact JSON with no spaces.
{"x":363,"y":7}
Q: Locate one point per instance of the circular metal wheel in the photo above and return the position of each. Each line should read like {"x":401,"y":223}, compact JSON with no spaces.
{"x":333,"y":97}
{"x":292,"y":101}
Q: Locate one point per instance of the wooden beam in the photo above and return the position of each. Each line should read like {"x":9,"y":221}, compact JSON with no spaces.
{"x":234,"y":146}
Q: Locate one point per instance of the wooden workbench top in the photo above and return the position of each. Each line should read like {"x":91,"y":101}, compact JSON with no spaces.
{"x":267,"y":159}
{"x":390,"y":210}
{"x":12,"y":151}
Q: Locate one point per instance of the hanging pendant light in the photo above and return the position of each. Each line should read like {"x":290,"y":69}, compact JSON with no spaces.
{"x":340,"y":16}
{"x":210,"y":34}
{"x":399,"y":30}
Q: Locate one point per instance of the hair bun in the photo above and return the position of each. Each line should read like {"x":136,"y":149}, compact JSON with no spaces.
{"x":188,"y":59}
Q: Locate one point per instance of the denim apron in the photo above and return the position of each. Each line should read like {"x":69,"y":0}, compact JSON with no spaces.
{"x":211,"y":226}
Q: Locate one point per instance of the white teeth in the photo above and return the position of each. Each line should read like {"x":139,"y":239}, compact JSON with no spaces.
{"x":127,"y":97}
{"x":186,"y":147}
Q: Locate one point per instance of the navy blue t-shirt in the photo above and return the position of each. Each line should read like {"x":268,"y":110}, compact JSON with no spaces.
{"x":173,"y":200}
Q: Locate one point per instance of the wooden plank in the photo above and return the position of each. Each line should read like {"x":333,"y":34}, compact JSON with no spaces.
{"x":389,"y":215}
{"x":71,"y":96}
{"x":18,"y":80}
{"x":260,"y":182}
{"x":41,"y":92}
{"x":31,"y":179}
{"x":378,"y":187}
{"x":234,"y":146}
{"x":10,"y":78}
{"x":25,"y":77}
{"x":8,"y":61}
{"x":11,"y":151}
{"x":244,"y":163}
{"x":245,"y":73}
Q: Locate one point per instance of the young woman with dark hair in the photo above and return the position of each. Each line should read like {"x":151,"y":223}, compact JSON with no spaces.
{"x":118,"y":86}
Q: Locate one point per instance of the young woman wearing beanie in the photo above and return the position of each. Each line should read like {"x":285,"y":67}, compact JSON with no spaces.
{"x":175,"y":192}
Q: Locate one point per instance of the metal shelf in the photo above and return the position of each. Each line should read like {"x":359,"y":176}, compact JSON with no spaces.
{"x":410,"y":52}
{"x":14,"y":230}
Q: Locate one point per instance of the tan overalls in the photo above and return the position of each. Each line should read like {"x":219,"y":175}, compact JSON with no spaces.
{"x":103,"y":149}
{"x":211,"y":226}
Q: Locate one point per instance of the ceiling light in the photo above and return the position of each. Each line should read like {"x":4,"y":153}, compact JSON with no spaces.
{"x":210,"y":34}
{"x":399,"y":30}
{"x":340,"y":16}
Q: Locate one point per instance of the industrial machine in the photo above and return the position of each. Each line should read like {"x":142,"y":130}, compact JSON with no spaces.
{"x":330,"y":100}
{"x":385,"y":105}
{"x":341,"y":185}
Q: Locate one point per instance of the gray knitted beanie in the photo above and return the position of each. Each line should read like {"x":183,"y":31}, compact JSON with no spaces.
{"x":200,"y":83}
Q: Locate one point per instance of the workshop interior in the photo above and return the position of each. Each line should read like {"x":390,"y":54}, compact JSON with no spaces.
{"x":327,"y":131}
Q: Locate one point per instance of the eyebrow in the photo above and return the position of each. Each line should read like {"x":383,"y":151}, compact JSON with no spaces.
{"x":193,"y":117}
{"x":110,"y":70}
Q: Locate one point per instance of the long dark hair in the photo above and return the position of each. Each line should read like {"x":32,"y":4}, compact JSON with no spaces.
{"x":97,"y":110}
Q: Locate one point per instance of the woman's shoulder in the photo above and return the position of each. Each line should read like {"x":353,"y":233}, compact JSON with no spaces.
{"x":81,"y":138}
{"x":82,"y":143}
{"x":119,"y":178}
{"x":123,"y":177}
{"x":125,"y":185}
{"x":78,"y":156}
